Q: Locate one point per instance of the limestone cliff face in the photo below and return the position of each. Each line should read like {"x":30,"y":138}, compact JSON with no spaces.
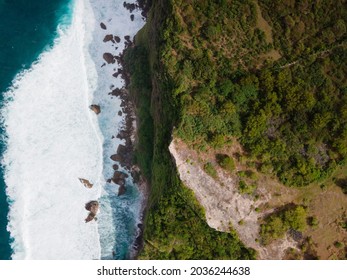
{"x":224,"y":205}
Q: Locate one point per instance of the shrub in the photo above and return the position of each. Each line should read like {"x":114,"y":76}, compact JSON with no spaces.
{"x":225,"y":162}
{"x":210,"y":170}
{"x":278,"y":223}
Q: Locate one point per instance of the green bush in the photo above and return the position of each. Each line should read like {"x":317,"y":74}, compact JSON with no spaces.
{"x":246,"y":189}
{"x":278,"y":223}
{"x":226,"y":162}
{"x":210,"y":170}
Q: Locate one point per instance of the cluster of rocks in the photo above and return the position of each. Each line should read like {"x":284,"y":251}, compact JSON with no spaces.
{"x":143,"y":5}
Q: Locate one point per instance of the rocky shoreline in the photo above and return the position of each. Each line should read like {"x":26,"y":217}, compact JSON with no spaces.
{"x":124,"y":155}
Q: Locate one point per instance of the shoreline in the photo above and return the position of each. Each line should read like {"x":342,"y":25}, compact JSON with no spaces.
{"x":128,"y":132}
{"x":125,"y":155}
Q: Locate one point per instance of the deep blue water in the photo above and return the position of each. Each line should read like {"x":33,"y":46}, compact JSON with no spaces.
{"x":27,"y":27}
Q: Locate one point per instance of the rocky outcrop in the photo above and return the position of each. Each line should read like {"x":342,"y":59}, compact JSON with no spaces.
{"x":108,"y":38}
{"x":121,"y":190}
{"x":115,"y":167}
{"x":119,"y":177}
{"x":223,"y":203}
{"x":93,"y":208}
{"x":95,"y":108}
{"x":109,"y":58}
{"x":86,"y":183}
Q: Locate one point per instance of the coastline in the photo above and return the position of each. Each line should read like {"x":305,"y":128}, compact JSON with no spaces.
{"x":124,"y":196}
{"x":125,"y":155}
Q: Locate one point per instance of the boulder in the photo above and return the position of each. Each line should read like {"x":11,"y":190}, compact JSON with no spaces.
{"x":117,"y":39}
{"x":121,"y":190}
{"x":116,"y":157}
{"x":109,"y":58}
{"x":108,"y":38}
{"x":115,"y":167}
{"x":95,"y":108}
{"x":119,"y":178}
{"x":86,"y":183}
{"x":103,"y":26}
{"x":93,"y":208}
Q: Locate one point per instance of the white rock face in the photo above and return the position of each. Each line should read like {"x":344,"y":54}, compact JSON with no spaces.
{"x":224,"y":205}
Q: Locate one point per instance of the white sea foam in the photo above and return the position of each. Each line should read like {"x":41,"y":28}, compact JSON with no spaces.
{"x":119,"y":215}
{"x":54,"y":139}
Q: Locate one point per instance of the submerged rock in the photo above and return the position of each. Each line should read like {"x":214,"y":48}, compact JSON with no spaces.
{"x":95,"y":108}
{"x":86,"y":183}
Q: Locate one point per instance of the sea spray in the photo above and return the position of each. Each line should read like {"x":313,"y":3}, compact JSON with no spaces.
{"x":52,"y":140}
{"x":120,"y":215}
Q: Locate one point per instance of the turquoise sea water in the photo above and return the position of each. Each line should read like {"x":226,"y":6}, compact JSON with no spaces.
{"x":26,"y":29}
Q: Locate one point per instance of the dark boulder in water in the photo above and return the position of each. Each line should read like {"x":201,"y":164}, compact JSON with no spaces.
{"x":95,"y":108}
{"x":86,"y":183}
{"x":117,"y":39}
{"x":93,"y":208}
{"x":122,"y":190}
{"x":108,"y":38}
{"x":103,"y":26}
{"x":109,"y":58}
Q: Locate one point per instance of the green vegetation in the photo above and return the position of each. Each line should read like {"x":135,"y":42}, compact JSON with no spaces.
{"x":246,"y":189}
{"x":290,"y":114}
{"x":210,"y":170}
{"x":278,"y":223}
{"x":205,"y":72}
{"x":313,"y":222}
{"x":175,"y":225}
{"x":225,"y":162}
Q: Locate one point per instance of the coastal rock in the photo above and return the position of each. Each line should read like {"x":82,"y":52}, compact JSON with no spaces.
{"x":108,"y":38}
{"x":132,"y":17}
{"x":103,"y":26}
{"x":122,"y":134}
{"x":86,"y":183}
{"x":129,"y":6}
{"x":115,"y":167}
{"x":93,"y":208}
{"x":117,"y":39}
{"x":116,"y":157}
{"x":119,"y":178}
{"x":95,"y":108}
{"x":119,"y":72}
{"x":122,"y":150}
{"x":109,"y":58}
{"x":122,"y":190}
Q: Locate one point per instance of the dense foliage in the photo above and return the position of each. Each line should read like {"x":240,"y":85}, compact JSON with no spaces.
{"x":175,"y":223}
{"x":278,"y":223}
{"x":290,"y":114}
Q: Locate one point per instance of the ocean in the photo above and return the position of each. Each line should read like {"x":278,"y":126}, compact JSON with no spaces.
{"x":52,"y":70}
